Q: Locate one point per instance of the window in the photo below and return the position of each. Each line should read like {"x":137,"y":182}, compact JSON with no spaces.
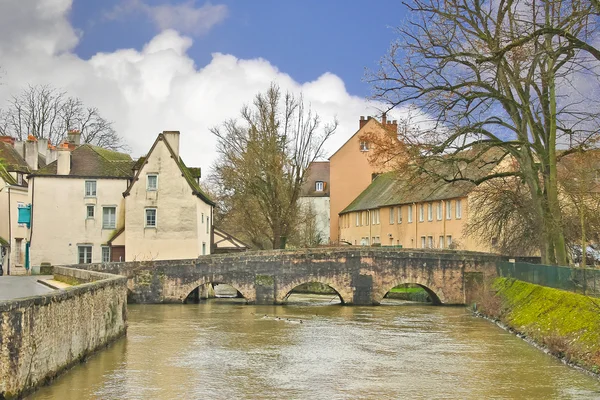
{"x":429,"y":212}
{"x":18,"y":251}
{"x":203,"y":248}
{"x":458,"y":209}
{"x":90,"y":188}
{"x":90,"y":211}
{"x":207,"y":224}
{"x":374,"y":217}
{"x":441,"y":242}
{"x":422,"y":242}
{"x":421,"y":212}
{"x":105,"y":254}
{"x":377,"y":240}
{"x":150,"y":217}
{"x":85,"y":254}
{"x":367,"y":217}
{"x":152,"y":182}
{"x":392,"y":216}
{"x":449,"y":241}
{"x":399,"y":215}
{"x":430,"y":242}
{"x":202,"y":217}
{"x":410,"y":214}
{"x":20,"y":178}
{"x":364,"y":145}
{"x":448,"y":209}
{"x":357,"y":219}
{"x":319,"y":186}
{"x":109,"y":217}
{"x":440,"y":212}
{"x":20,"y":204}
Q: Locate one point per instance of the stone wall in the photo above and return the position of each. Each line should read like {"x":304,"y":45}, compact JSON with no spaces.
{"x":42,"y":335}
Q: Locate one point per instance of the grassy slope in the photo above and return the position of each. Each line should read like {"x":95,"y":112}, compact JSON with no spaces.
{"x":568,"y":324}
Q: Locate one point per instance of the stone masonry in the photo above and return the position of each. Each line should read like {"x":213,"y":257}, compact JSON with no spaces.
{"x":361,"y":276}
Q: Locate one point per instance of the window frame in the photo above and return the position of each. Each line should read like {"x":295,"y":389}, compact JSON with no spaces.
{"x":429,"y":212}
{"x":448,"y":210}
{"x":319,"y":186}
{"x":146,"y":209}
{"x":114,"y":225}
{"x":392,"y":216}
{"x":423,"y":242}
{"x":364,"y":145}
{"x":85,"y":254}
{"x":410,"y":214}
{"x":399,"y":211}
{"x":421,"y":212}
{"x":458,"y":209}
{"x":430,"y":242}
{"x":104,"y":253}
{"x":20,"y":180}
{"x":441,"y":242}
{"x":85,"y":188}
{"x":448,"y":241}
{"x":89,"y":207}
{"x":148,"y":188}
{"x":440,"y":210}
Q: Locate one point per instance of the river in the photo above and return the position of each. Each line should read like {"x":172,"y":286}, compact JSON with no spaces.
{"x":312,"y":349}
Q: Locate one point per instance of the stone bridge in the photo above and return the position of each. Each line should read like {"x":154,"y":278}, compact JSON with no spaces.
{"x":360,"y":276}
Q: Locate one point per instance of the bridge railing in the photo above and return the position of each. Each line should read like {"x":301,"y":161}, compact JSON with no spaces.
{"x":578,"y":280}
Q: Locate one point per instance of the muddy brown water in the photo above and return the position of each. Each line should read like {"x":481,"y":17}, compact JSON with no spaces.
{"x":314,"y":349}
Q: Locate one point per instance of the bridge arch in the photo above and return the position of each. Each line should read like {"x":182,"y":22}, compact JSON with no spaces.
{"x":285,"y":290}
{"x":185,"y":290}
{"x":437,"y":296}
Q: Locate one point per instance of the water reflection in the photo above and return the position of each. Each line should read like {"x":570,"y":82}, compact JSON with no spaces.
{"x":224,"y":349}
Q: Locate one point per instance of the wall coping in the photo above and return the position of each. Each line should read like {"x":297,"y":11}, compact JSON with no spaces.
{"x":103,"y":280}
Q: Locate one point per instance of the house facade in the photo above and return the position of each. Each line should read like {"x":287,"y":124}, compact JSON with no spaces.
{"x":98,"y":205}
{"x":315,"y":203}
{"x":350,"y":170}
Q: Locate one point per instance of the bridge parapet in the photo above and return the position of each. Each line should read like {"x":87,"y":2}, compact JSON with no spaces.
{"x":361,"y":276}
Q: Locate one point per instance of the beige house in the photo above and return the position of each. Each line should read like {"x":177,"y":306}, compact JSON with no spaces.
{"x":167,"y":215}
{"x":98,"y":205}
{"x":350,"y":170}
{"x":13,"y":195}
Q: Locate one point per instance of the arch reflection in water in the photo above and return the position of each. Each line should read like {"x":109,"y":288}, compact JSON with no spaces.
{"x":313,"y":293}
{"x":411,"y":292}
{"x":213,"y":290}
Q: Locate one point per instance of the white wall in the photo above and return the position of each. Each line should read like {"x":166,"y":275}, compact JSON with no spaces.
{"x":13,"y":231}
{"x":320,"y":206}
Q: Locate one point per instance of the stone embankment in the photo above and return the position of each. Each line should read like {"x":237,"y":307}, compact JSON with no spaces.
{"x":41,"y":336}
{"x":565,"y":324}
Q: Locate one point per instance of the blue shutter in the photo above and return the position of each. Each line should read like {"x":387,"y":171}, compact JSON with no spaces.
{"x":25,"y":215}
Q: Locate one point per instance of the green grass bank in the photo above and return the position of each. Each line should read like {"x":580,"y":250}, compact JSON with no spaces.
{"x":565,"y":323}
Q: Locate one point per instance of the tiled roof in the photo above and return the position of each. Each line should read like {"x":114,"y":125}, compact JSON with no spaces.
{"x":94,"y":162}
{"x":6,"y":176}
{"x":390,"y":189}
{"x":11,"y":159}
{"x":318,"y":171}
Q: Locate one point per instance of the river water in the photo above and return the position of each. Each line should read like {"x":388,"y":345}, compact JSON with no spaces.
{"x":223,"y":349}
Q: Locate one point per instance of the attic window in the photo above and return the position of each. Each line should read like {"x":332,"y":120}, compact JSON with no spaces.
{"x":364,"y":145}
{"x":19,"y":179}
{"x":319,"y":186}
{"x":152,"y":182}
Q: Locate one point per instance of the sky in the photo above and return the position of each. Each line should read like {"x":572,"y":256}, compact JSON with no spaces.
{"x":154,"y":65}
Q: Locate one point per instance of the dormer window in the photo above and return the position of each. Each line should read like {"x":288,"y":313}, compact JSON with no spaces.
{"x":319,"y":186}
{"x":152,"y":182}
{"x":364,"y":145}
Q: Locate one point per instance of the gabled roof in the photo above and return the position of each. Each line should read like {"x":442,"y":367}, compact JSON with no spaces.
{"x":6,"y":176}
{"x":221,"y":238}
{"x":318,"y":171}
{"x":89,"y":161}
{"x":11,"y":158}
{"x":370,"y":121}
{"x":185,"y":171}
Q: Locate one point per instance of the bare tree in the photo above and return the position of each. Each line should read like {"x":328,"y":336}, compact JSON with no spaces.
{"x":263,"y":162}
{"x":503,"y":75}
{"x":49,"y":113}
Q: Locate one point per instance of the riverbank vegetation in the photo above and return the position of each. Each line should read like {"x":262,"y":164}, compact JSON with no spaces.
{"x":567,"y":324}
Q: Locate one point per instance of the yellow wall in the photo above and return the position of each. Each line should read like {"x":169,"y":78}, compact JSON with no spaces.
{"x":60,"y":223}
{"x":409,"y":234}
{"x":180,"y":229}
{"x":350,"y":174}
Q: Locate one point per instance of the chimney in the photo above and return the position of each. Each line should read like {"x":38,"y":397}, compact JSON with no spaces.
{"x":74,"y":137}
{"x":51,"y":154}
{"x":43,"y":148}
{"x":172,"y":137}
{"x":31,"y":152}
{"x":362,"y":121}
{"x":384,"y":119}
{"x":63,"y":165}
{"x":8,"y":139}
{"x":19,"y":148}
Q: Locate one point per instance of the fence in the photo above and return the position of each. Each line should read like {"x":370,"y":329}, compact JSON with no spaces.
{"x":578,"y":280}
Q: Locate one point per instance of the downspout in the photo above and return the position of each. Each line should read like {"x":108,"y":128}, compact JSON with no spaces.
{"x":416,"y":219}
{"x":9,"y":235}
{"x":27,"y":252}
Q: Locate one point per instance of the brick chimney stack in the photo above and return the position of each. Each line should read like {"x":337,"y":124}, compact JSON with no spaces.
{"x":363,"y":121}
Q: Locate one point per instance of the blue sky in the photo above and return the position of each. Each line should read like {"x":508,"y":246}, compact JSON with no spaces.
{"x":302,"y":38}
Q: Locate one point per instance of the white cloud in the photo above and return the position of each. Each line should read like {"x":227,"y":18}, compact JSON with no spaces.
{"x":184,"y":17}
{"x":158,"y":87}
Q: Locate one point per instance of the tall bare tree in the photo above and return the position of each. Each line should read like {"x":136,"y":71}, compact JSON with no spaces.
{"x":263,"y":162}
{"x":507,"y":75}
{"x":48,"y":113}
